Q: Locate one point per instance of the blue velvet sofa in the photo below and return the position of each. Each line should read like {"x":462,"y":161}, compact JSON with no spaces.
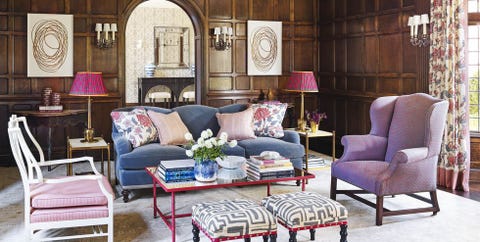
{"x":130,"y":163}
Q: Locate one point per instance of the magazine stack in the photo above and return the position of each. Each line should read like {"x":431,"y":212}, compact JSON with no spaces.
{"x":176,"y":170}
{"x":261,"y":168}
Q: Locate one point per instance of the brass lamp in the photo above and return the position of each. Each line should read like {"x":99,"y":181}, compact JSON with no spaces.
{"x":88,"y":84}
{"x":302,"y":81}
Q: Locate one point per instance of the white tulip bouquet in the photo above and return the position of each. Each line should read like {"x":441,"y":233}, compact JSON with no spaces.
{"x":207,"y":147}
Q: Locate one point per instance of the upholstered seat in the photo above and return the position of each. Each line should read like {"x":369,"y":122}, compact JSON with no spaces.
{"x":306,"y":210}
{"x":398,"y":156}
{"x":232,"y":219}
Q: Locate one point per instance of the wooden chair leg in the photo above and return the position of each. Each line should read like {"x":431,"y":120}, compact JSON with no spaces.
{"x":293,"y":236}
{"x":333,"y":188}
{"x":433,"y":196}
{"x":273,"y":238}
{"x":196,"y":233}
{"x":343,"y":233}
{"x":265,"y":238}
{"x":379,"y":210}
{"x":312,"y":234}
{"x":247,"y":240}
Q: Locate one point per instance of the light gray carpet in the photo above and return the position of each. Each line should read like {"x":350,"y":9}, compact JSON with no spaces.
{"x":458,"y":219}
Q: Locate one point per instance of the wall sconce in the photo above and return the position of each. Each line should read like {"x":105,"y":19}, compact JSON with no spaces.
{"x":104,"y":40}
{"x":415,"y":38}
{"x":222,"y":38}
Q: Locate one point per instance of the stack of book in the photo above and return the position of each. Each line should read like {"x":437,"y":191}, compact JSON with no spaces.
{"x":315,"y":161}
{"x":176,"y":170}
{"x":260,"y":168}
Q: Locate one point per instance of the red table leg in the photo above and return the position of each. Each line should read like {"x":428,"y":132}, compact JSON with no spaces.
{"x":154,"y":199}
{"x":172,"y":205}
{"x":268,"y":189}
{"x":303,"y":185}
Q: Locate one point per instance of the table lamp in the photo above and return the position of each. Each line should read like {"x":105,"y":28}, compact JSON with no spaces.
{"x":88,"y":84}
{"x":302,"y":81}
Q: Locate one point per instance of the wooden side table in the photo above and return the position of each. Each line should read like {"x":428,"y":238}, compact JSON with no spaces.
{"x":76,"y":144}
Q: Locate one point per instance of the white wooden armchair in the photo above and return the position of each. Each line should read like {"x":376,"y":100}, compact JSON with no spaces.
{"x":57,"y":203}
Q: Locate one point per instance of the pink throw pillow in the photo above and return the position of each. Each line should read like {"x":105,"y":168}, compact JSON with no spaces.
{"x":136,"y":126}
{"x":170,"y":127}
{"x":238,"y":126}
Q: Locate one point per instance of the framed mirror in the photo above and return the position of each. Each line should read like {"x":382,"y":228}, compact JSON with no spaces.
{"x":171,"y":47}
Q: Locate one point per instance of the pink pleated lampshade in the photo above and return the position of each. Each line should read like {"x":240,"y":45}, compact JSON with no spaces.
{"x":302,"y":81}
{"x":88,"y":84}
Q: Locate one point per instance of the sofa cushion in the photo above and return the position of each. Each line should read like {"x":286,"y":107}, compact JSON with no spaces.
{"x":171,"y":129}
{"x":198,"y":118}
{"x":237,"y":125}
{"x":150,"y":155}
{"x":260,"y":144}
{"x":236,"y":150}
{"x":268,"y":118}
{"x":135,"y":125}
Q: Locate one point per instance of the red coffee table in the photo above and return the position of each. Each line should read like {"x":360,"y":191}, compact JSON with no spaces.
{"x":174,"y":187}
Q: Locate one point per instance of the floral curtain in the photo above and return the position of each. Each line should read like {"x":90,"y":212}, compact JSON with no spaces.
{"x":448,"y":80}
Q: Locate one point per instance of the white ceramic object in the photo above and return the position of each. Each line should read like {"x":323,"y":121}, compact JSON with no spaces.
{"x":231,"y":162}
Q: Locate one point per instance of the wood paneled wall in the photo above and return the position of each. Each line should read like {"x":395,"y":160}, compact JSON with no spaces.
{"x":358,"y":49}
{"x":227,"y":70}
{"x":18,"y":92}
{"x":364,"y":52}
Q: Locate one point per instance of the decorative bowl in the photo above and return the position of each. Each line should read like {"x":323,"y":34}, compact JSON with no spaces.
{"x":231,"y":162}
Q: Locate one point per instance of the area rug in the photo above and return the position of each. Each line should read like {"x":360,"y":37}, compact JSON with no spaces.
{"x":458,"y":219}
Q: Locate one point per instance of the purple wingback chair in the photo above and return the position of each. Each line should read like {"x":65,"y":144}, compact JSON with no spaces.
{"x":398,"y":156}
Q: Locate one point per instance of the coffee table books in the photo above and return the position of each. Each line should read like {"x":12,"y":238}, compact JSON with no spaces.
{"x":176,"y":170}
{"x":278,"y":168}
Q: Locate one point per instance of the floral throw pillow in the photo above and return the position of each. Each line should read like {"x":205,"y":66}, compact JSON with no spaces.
{"x":136,"y":126}
{"x":267,"y":119}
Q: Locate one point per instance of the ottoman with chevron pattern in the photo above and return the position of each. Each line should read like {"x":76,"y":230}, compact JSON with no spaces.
{"x":233,"y":219}
{"x":307,"y":210}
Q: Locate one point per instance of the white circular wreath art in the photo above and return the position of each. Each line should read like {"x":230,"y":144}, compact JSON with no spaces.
{"x":50,"y":44}
{"x":264,"y":48}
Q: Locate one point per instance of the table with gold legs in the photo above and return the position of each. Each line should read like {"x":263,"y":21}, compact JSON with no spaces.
{"x":77,"y":144}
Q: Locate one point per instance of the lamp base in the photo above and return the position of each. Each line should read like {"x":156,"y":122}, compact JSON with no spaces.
{"x":301,"y":125}
{"x":88,"y":136}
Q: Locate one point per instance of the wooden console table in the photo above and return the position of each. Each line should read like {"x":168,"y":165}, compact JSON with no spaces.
{"x":54,"y":119}
{"x":176,"y":85}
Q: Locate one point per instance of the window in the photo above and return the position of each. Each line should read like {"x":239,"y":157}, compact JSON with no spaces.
{"x":473,"y":52}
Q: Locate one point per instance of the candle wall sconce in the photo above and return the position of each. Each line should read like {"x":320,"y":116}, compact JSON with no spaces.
{"x":105,"y":35}
{"x":222,"y":37}
{"x":415,"y":38}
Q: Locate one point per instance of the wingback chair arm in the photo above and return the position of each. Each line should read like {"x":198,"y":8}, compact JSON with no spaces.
{"x":291,"y":136}
{"x":363,"y":147}
{"x":121,"y":144}
{"x":410,"y":155}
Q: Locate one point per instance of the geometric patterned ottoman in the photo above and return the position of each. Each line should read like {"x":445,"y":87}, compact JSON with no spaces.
{"x":233,"y":219}
{"x":307,"y":210}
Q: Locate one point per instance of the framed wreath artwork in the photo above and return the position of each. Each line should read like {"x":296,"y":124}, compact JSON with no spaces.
{"x":49,"y":45}
{"x":264,"y":48}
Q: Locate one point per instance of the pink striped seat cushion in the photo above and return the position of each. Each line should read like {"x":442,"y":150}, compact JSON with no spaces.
{"x":61,"y":214}
{"x":69,"y":194}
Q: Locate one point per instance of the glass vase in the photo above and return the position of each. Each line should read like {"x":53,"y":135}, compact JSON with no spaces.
{"x":205,"y":170}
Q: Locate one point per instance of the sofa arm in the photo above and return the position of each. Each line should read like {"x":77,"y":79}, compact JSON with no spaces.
{"x":291,"y":136}
{"x":121,"y":145}
{"x":410,"y":155}
{"x":363,"y":147}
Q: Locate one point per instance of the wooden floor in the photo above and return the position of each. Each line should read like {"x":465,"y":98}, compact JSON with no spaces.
{"x":473,"y":194}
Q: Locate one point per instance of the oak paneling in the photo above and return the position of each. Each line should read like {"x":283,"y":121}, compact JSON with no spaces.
{"x":104,"y":7}
{"x":54,"y":6}
{"x":3,"y":22}
{"x":390,"y":57}
{"x":304,"y":10}
{"x":241,"y":9}
{"x":262,"y":9}
{"x":220,"y":9}
{"x":242,"y":83}
{"x":240,"y":56}
{"x":3,"y":54}
{"x":20,"y":55}
{"x":304,"y":55}
{"x":3,"y":86}
{"x":389,"y":4}
{"x":220,"y":84}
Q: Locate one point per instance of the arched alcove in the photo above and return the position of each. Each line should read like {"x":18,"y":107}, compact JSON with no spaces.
{"x":196,"y":17}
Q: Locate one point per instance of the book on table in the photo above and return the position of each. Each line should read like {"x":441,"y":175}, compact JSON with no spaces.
{"x":269,"y":175}
{"x":176,"y":170}
{"x":256,"y":159}
{"x":270,"y":167}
